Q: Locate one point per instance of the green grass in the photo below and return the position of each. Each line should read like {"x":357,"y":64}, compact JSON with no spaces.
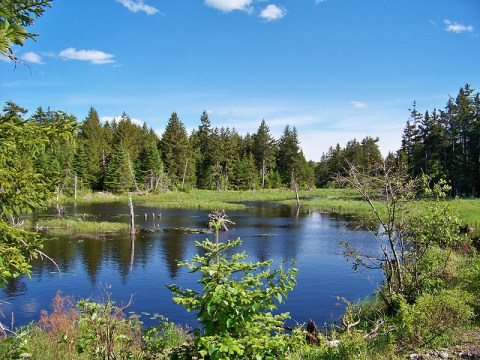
{"x":204,"y":199}
{"x":344,"y":201}
{"x":468,"y":211}
{"x":74,"y":227}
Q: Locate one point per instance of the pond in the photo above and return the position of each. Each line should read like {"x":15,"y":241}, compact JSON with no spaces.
{"x":141,"y":268}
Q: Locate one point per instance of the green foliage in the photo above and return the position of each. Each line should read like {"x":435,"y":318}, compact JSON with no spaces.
{"x":432,"y":317}
{"x":352,"y":346}
{"x":119,"y":177}
{"x":289,"y":156}
{"x":91,"y":150}
{"x":15,"y":16}
{"x":236,"y":303}
{"x":17,"y":345}
{"x":176,"y":153}
{"x":166,"y":335}
{"x":444,"y":144}
{"x":264,"y":148}
{"x":17,"y":249}
{"x":407,"y":232}
{"x":246,"y":175}
{"x":363,"y":155}
{"x":23,"y":186}
{"x":103,"y":330}
{"x":151,"y":167}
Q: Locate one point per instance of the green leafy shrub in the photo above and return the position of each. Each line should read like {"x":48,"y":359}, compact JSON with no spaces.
{"x":166,"y":335}
{"x":236,"y":303}
{"x":16,"y":345}
{"x":104,"y":332}
{"x":432,"y":317}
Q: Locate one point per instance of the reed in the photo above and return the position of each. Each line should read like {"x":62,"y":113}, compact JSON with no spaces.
{"x":77,"y":226}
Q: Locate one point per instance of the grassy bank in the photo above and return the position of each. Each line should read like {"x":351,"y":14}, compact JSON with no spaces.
{"x":344,"y":201}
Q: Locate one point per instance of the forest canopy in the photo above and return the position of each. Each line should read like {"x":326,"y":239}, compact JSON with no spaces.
{"x":121,"y":156}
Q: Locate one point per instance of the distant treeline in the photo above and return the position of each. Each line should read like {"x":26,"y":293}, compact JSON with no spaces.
{"x":443,"y":144}
{"x":120,"y":156}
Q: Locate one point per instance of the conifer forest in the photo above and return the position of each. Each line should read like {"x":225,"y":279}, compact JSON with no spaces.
{"x":121,"y":156}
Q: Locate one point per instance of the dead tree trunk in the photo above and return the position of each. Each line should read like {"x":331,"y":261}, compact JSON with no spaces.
{"x":295,"y":186}
{"x":132,"y":223}
{"x":184,"y":174}
{"x":75,"y":187}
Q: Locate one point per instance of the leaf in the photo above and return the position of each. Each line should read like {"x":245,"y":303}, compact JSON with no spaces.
{"x":279,"y":297}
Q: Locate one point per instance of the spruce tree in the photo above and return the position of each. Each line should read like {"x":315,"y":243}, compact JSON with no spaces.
{"x":119,"y":177}
{"x":289,"y":156}
{"x":264,"y":149}
{"x":177,"y":155}
{"x":91,"y":139}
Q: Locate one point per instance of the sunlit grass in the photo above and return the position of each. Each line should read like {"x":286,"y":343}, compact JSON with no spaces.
{"x":343,"y":201}
{"x":77,"y":226}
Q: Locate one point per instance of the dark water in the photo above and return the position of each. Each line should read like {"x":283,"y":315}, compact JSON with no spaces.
{"x":143,"y":267}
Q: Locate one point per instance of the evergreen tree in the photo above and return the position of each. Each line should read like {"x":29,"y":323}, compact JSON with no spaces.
{"x":56,"y":158}
{"x":289,"y":156}
{"x":15,"y":17}
{"x":130,"y":136}
{"x":151,"y":167}
{"x":177,"y":154}
{"x":80,"y":162}
{"x":119,"y":177}
{"x":92,"y":141}
{"x":412,"y":143}
{"x":204,"y":143}
{"x":370,"y":154}
{"x":264,"y":149}
{"x":245,"y":174}
{"x":231,"y":152}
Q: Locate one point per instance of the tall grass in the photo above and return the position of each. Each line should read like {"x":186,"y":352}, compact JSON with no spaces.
{"x":345,"y":201}
{"x":60,"y":226}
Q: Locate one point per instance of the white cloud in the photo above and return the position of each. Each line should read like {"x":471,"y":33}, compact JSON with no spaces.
{"x":273,"y":12}
{"x":359,"y":104}
{"x":319,"y":1}
{"x":456,"y":27}
{"x":229,"y":5}
{"x":138,"y":5}
{"x":32,"y":57}
{"x":93,"y":56}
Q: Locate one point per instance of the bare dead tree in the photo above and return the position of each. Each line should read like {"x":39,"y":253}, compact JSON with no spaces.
{"x":388,"y":191}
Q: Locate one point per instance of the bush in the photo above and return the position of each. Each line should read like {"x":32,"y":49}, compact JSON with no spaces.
{"x":432,"y":317}
{"x":103,"y":330}
{"x":236,"y":303}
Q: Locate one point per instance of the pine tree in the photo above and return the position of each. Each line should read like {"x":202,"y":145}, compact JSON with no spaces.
{"x":177,"y":154}
{"x":231,"y":151}
{"x":264,"y":149}
{"x":289,"y":156}
{"x":91,"y":139}
{"x":119,"y":177}
{"x":245,"y":174}
{"x":130,"y":136}
{"x":151,"y":167}
{"x":204,"y":144}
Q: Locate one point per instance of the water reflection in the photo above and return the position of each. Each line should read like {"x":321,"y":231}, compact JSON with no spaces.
{"x":143,"y":264}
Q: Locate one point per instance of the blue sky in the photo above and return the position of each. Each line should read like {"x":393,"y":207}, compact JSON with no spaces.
{"x":335,"y":69}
